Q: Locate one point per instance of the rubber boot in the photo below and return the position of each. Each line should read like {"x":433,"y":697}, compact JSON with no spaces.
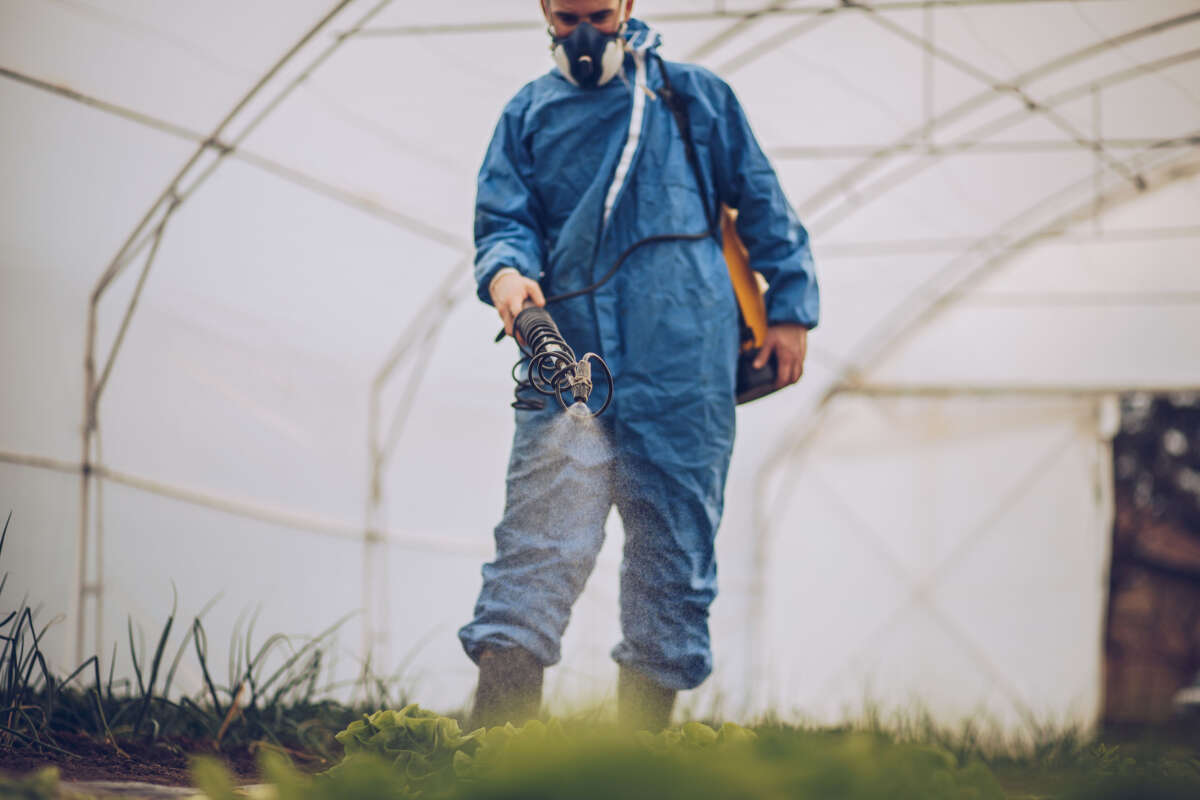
{"x":642,"y":704}
{"x":509,"y":690}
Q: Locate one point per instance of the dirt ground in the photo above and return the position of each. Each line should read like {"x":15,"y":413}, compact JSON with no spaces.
{"x":163,"y":763}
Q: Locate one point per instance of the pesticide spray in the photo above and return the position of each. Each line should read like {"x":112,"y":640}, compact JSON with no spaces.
{"x":549,"y":368}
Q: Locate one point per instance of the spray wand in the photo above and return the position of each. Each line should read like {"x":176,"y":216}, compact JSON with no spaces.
{"x":553,"y":369}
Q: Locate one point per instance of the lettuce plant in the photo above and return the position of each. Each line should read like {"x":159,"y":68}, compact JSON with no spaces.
{"x":421,"y":745}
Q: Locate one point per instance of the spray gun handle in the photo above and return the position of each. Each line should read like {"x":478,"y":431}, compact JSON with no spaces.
{"x":526,"y":323}
{"x":502,"y":333}
{"x":518,"y":334}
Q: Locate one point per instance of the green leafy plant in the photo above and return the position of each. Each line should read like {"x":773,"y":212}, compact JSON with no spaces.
{"x":492,"y":746}
{"x":420,"y":744}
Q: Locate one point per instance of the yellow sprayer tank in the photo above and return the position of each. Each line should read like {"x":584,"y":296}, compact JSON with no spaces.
{"x":748,"y":285}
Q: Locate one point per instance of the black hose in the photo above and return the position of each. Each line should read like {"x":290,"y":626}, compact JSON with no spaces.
{"x":678,"y":108}
{"x":548,"y":352}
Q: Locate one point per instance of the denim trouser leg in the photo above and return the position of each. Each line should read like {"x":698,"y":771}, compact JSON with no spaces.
{"x":558,"y":497}
{"x":562,"y":481}
{"x":668,"y":579}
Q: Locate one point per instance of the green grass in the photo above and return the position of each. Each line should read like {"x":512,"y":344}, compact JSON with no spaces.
{"x":276,"y":692}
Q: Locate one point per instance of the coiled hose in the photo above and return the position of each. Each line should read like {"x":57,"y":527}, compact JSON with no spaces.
{"x":552,"y":368}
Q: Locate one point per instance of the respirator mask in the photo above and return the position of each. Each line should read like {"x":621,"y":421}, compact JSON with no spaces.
{"x":588,"y":58}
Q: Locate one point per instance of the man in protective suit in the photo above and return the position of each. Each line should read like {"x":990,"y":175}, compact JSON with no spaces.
{"x":586,"y":161}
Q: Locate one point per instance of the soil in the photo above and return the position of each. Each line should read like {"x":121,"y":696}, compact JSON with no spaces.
{"x":164,"y":763}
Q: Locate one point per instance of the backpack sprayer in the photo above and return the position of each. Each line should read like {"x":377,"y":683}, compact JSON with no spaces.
{"x":554,"y":371}
{"x":749,"y":287}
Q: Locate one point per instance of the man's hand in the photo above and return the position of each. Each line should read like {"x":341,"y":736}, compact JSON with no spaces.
{"x":509,"y":293}
{"x":789,"y":343}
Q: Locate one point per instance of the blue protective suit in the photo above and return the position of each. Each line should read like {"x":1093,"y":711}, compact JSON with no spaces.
{"x":667,"y":324}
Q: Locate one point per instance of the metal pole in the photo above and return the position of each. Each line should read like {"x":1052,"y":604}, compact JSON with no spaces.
{"x":76,"y":606}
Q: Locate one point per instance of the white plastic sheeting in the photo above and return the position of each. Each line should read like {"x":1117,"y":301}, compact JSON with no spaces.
{"x":1005,"y":210}
{"x":957,"y":548}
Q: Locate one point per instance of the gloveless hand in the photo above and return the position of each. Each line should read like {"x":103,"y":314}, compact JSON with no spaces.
{"x":509,"y":295}
{"x":789,"y":343}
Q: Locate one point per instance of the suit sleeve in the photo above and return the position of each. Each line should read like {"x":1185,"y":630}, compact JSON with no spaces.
{"x":508,"y":226}
{"x":777,"y":242}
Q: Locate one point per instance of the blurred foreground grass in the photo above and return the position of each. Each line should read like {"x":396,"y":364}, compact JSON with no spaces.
{"x":414,"y":753}
{"x":410,"y":753}
{"x":540,"y":762}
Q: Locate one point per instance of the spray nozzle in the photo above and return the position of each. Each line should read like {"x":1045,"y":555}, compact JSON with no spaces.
{"x":581,"y":381}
